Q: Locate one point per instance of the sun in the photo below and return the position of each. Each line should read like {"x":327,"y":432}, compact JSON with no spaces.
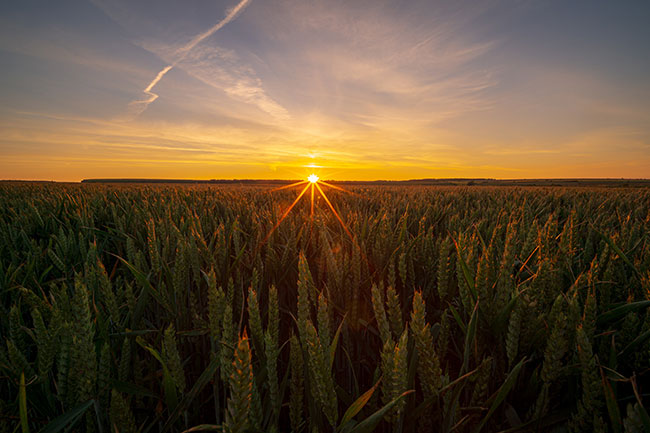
{"x":312,"y":178}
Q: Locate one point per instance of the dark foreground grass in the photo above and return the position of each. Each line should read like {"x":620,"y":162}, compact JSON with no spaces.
{"x":140,"y":308}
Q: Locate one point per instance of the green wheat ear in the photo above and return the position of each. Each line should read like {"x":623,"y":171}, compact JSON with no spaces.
{"x":216,"y":306}
{"x":125,"y":361}
{"x":241,"y":387}
{"x":323,"y":320}
{"x":556,"y":345}
{"x":104,"y":376}
{"x":46,"y":344}
{"x":380,"y":313}
{"x":394,"y":312}
{"x":255,"y":414}
{"x":16,"y":333}
{"x":272,"y":353}
{"x":395,"y":373}
{"x":429,"y":370}
{"x":172,"y":358}
{"x":444,"y":268}
{"x":121,"y":417}
{"x":306,"y":289}
{"x":228,"y":343}
{"x":512,"y":336}
{"x":296,"y":388}
{"x":83,"y":358}
{"x":444,"y":334}
{"x":586,"y":417}
{"x":634,"y":421}
{"x":482,"y":380}
{"x":273,"y":320}
{"x":255,"y":323}
{"x":319,"y":368}
{"x":18,"y":362}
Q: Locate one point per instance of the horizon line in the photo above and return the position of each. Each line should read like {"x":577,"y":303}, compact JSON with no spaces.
{"x":278,"y":180}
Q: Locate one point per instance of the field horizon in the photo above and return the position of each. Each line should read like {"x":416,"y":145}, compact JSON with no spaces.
{"x":451,"y":181}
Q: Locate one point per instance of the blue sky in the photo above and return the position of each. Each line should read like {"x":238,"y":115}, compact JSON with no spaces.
{"x":352,"y":89}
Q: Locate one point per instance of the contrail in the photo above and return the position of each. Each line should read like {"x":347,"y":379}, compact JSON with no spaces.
{"x":137,"y":107}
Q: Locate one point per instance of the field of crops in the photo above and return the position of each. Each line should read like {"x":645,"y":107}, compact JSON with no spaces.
{"x":166,"y":308}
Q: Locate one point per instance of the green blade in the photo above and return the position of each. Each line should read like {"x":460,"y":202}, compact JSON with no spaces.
{"x":356,"y":407}
{"x":22,"y":403}
{"x":502,"y":393}
{"x":68,"y":419}
{"x":369,"y":424}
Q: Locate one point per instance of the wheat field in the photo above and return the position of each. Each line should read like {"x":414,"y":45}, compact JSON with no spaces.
{"x":450,"y":309}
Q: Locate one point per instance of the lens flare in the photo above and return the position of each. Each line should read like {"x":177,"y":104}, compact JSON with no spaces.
{"x":313,"y":183}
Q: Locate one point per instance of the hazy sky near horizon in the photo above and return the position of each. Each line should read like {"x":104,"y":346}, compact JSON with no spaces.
{"x":350,"y":89}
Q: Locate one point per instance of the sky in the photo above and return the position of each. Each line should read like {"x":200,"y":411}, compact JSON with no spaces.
{"x":349,"y":89}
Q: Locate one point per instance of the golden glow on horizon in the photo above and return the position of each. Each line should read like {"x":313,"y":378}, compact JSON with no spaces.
{"x":312,"y":178}
{"x":114,"y":150}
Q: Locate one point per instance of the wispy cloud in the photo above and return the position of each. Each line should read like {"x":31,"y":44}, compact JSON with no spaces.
{"x":137,"y":107}
{"x":375,"y":66}
{"x":225,"y":71}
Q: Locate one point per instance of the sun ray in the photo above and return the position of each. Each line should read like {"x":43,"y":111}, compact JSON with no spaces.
{"x":289,"y":186}
{"x":336,"y":214}
{"x":313,"y":183}
{"x":337,"y":187}
{"x":285,"y":213}
{"x":312,"y":201}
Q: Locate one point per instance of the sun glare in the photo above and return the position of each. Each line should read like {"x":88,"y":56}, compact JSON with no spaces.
{"x":313,"y":183}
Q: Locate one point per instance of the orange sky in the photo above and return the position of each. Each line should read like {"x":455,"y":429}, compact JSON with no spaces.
{"x":350,"y":90}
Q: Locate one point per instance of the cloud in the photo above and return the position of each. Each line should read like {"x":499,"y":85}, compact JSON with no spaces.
{"x":231,"y":15}
{"x":137,"y":107}
{"x":374,"y":66}
{"x":225,"y":71}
